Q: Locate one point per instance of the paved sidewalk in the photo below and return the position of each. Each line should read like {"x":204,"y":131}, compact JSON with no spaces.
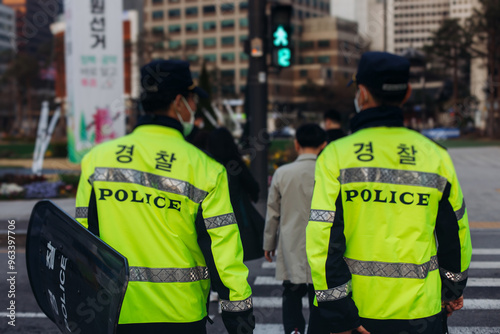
{"x":51,"y":163}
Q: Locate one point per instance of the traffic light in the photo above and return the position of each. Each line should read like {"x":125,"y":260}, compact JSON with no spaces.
{"x":281,"y":35}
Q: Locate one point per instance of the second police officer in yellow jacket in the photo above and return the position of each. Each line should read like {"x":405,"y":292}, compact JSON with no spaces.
{"x":388,"y":238}
{"x":141,"y":194}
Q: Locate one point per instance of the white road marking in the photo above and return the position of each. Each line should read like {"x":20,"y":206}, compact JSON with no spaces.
{"x":485,"y":265}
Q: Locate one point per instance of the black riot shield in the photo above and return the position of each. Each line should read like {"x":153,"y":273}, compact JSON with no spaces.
{"x":78,"y":280}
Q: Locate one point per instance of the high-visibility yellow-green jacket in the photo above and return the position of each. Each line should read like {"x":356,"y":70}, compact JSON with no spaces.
{"x":388,"y":223}
{"x":143,"y":191}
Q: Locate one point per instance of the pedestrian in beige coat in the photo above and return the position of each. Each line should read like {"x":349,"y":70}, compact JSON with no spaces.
{"x":288,"y":207}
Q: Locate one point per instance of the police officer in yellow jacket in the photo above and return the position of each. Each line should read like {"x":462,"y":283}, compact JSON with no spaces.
{"x":141,"y":194}
{"x":388,"y":238}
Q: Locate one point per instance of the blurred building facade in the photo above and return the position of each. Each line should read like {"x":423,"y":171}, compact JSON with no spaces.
{"x":327,"y":56}
{"x":7,"y":50}
{"x":406,"y":26}
{"x":34,"y":45}
{"x":214,"y":32}
{"x":7,"y":28}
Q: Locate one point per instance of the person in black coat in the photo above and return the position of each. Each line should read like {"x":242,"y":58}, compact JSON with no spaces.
{"x":333,"y":125}
{"x":243,"y":190}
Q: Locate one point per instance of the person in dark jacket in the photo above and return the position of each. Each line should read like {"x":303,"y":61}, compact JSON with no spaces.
{"x":243,"y":189}
{"x":333,"y":125}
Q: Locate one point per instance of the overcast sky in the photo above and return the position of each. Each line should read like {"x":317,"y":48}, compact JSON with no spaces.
{"x":343,"y":8}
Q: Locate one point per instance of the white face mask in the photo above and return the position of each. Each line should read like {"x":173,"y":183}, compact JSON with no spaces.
{"x":187,"y":126}
{"x":356,"y":104}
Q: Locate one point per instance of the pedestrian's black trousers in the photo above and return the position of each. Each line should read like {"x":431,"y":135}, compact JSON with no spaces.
{"x":292,"y":306}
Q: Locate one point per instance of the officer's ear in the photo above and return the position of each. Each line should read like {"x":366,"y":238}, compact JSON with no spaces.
{"x":364,"y":94}
{"x":178,"y":102}
{"x":322,"y":146}
{"x":296,"y":145}
{"x":408,"y":94}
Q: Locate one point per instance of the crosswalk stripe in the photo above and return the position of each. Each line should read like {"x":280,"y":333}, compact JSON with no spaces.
{"x":273,"y":302}
{"x":485,"y":265}
{"x":278,"y":329}
{"x":469,"y":304}
{"x":485,"y":251}
{"x":266,"y":280}
{"x":472,"y":282}
{"x":268,"y":265}
{"x":483,"y":282}
{"x":481,"y":304}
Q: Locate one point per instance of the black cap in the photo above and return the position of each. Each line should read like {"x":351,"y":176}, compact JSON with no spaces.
{"x":162,"y":75}
{"x":384,"y":73}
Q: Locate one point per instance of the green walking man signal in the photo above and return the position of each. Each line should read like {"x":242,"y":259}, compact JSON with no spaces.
{"x":280,"y":35}
{"x":281,"y":42}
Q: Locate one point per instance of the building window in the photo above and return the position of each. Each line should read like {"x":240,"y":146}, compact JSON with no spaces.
{"x":243,"y":38}
{"x":192,"y":59}
{"x":209,"y":9}
{"x":158,"y":46}
{"x":227,"y":57}
{"x":306,"y":44}
{"x":174,"y":1}
{"x":243,"y":72}
{"x":242,"y":89}
{"x":228,"y":89}
{"x":324,"y":43}
{"x":191,"y":27}
{"x":174,"y":13}
{"x":227,"y":74}
{"x":157,"y":15}
{"x":191,"y":11}
{"x":157,"y":2}
{"x":244,"y":22}
{"x":195,"y":74}
{"x":243,"y":56}
{"x":227,"y":8}
{"x":210,"y":58}
{"x":227,"y":24}
{"x":192,"y":42}
{"x":174,"y":45}
{"x":227,"y":40}
{"x":306,"y":60}
{"x":174,"y":28}
{"x":243,"y":5}
{"x":209,"y":26}
{"x":303,"y":73}
{"x":157,"y":30}
{"x":209,"y":42}
{"x":324,"y":59}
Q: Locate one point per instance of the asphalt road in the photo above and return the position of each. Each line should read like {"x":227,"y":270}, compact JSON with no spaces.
{"x":478,"y":171}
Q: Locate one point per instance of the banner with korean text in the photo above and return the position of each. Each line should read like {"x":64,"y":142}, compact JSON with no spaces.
{"x":94,"y":74}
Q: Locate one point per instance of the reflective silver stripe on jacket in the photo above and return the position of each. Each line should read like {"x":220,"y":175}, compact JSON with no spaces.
{"x":218,"y":221}
{"x":336,"y":293}
{"x":158,"y":182}
{"x":322,"y":216}
{"x":236,"y":306}
{"x":454,"y":276}
{"x":461,"y":212}
{"x":168,"y":275}
{"x":393,"y":176}
{"x":81,"y":212}
{"x":394,"y":270}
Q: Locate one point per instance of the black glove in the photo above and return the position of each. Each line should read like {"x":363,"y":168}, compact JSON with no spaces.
{"x":239,"y":322}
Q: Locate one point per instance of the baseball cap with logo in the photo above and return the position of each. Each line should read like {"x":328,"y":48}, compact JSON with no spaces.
{"x":383,"y":73}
